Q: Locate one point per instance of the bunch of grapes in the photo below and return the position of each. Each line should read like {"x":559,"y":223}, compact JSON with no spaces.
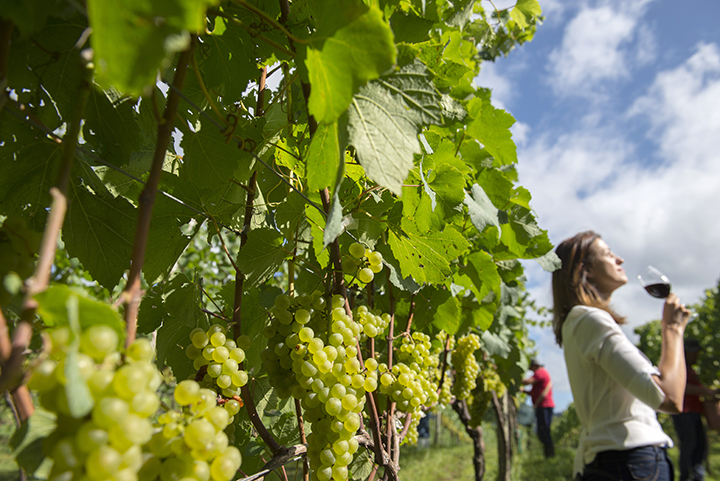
{"x":411,"y":438}
{"x":221,"y":358}
{"x":411,"y":383}
{"x":444,"y":340}
{"x":482,"y":394}
{"x":362,"y":263}
{"x":312,"y":355}
{"x":465,"y":365}
{"x":192,"y":442}
{"x":373,"y":323}
{"x":106,"y":443}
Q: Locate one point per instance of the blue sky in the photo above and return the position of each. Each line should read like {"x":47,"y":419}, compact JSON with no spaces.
{"x":618,"y":130}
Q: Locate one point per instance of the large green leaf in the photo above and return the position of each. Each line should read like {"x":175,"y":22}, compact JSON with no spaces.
{"x":262,"y":255}
{"x":212,"y":160}
{"x":100,"y":230}
{"x":437,"y":306}
{"x":491,"y":127}
{"x":28,"y":439}
{"x":111,"y":127}
{"x":481,"y":209}
{"x":166,"y":240}
{"x":29,"y":164}
{"x":323,"y":157}
{"x":183,"y":308}
{"x":133,"y":39}
{"x":427,"y":256}
{"x":225,"y":63}
{"x":384,"y":121}
{"x":359,"y":51}
{"x":52,"y":308}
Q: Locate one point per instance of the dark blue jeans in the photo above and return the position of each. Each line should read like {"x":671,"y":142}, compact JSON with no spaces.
{"x":647,"y":463}
{"x":693,"y":445}
{"x":544,"y":418}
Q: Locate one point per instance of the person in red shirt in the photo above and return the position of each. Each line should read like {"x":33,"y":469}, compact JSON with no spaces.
{"x":688,"y":424}
{"x":541,"y":395}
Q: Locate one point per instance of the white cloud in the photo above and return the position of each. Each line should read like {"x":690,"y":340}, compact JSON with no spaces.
{"x":595,"y":48}
{"x":500,"y":86}
{"x":658,"y":209}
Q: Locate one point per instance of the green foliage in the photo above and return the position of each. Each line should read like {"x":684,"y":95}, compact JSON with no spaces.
{"x":373,"y":102}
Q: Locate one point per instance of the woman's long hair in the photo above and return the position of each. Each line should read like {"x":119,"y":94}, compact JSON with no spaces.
{"x":570,"y":283}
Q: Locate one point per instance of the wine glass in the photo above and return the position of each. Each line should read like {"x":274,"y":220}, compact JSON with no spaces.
{"x":655,"y":282}
{"x":658,"y":285}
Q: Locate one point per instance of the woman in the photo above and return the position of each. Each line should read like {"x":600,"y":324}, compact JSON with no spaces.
{"x":616,"y":389}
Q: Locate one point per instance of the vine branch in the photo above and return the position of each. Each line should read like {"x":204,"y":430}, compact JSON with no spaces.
{"x":132,"y":293}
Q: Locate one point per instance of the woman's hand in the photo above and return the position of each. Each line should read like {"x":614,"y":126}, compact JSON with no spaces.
{"x":675,"y":314}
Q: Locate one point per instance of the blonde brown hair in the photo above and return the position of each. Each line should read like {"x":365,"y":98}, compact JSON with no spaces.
{"x":570,"y":284}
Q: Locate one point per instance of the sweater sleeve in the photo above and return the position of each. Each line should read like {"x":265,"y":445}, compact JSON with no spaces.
{"x":601,"y":340}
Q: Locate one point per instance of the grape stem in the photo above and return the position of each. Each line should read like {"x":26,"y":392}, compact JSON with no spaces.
{"x":133,"y":293}
{"x":303,"y":439}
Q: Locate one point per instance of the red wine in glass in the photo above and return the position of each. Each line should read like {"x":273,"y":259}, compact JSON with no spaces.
{"x":655,"y":282}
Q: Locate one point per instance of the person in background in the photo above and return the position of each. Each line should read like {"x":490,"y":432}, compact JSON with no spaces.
{"x":616,"y":389}
{"x":541,"y":395}
{"x":688,"y":424}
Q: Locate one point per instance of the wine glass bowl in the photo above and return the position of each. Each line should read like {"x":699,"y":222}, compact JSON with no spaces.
{"x":655,"y":282}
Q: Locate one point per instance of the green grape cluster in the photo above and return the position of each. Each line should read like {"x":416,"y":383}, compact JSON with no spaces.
{"x":373,"y":322}
{"x":444,"y":340}
{"x":192,"y":443}
{"x":105,"y":444}
{"x":411,"y":383}
{"x":482,"y":394}
{"x":465,"y":365}
{"x":221,"y":357}
{"x":362,"y":263}
{"x":312,"y":355}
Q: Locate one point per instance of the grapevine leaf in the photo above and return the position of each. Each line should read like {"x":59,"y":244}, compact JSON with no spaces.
{"x":166,"y":240}
{"x":496,"y":185}
{"x":323,"y":157}
{"x":53,"y":311}
{"x":211,"y":161}
{"x":407,"y":283}
{"x":227,"y":67}
{"x":290,"y":216}
{"x":183,"y":298}
{"x":521,"y":196}
{"x":357,"y":52}
{"x":460,"y":14}
{"x":481,"y":209}
{"x":111,"y":127}
{"x":550,"y":261}
{"x":152,"y":312}
{"x":27,"y":441}
{"x":99,"y":231}
{"x":361,"y":466}
{"x":384,"y":120}
{"x":491,"y":127}
{"x":426,"y":257}
{"x":524,"y":9}
{"x":335,"y":225}
{"x":439,"y":308}
{"x":497,"y":345}
{"x":132,"y":40}
{"x":262,"y":256}
{"x":172,"y":339}
{"x":28,"y":168}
